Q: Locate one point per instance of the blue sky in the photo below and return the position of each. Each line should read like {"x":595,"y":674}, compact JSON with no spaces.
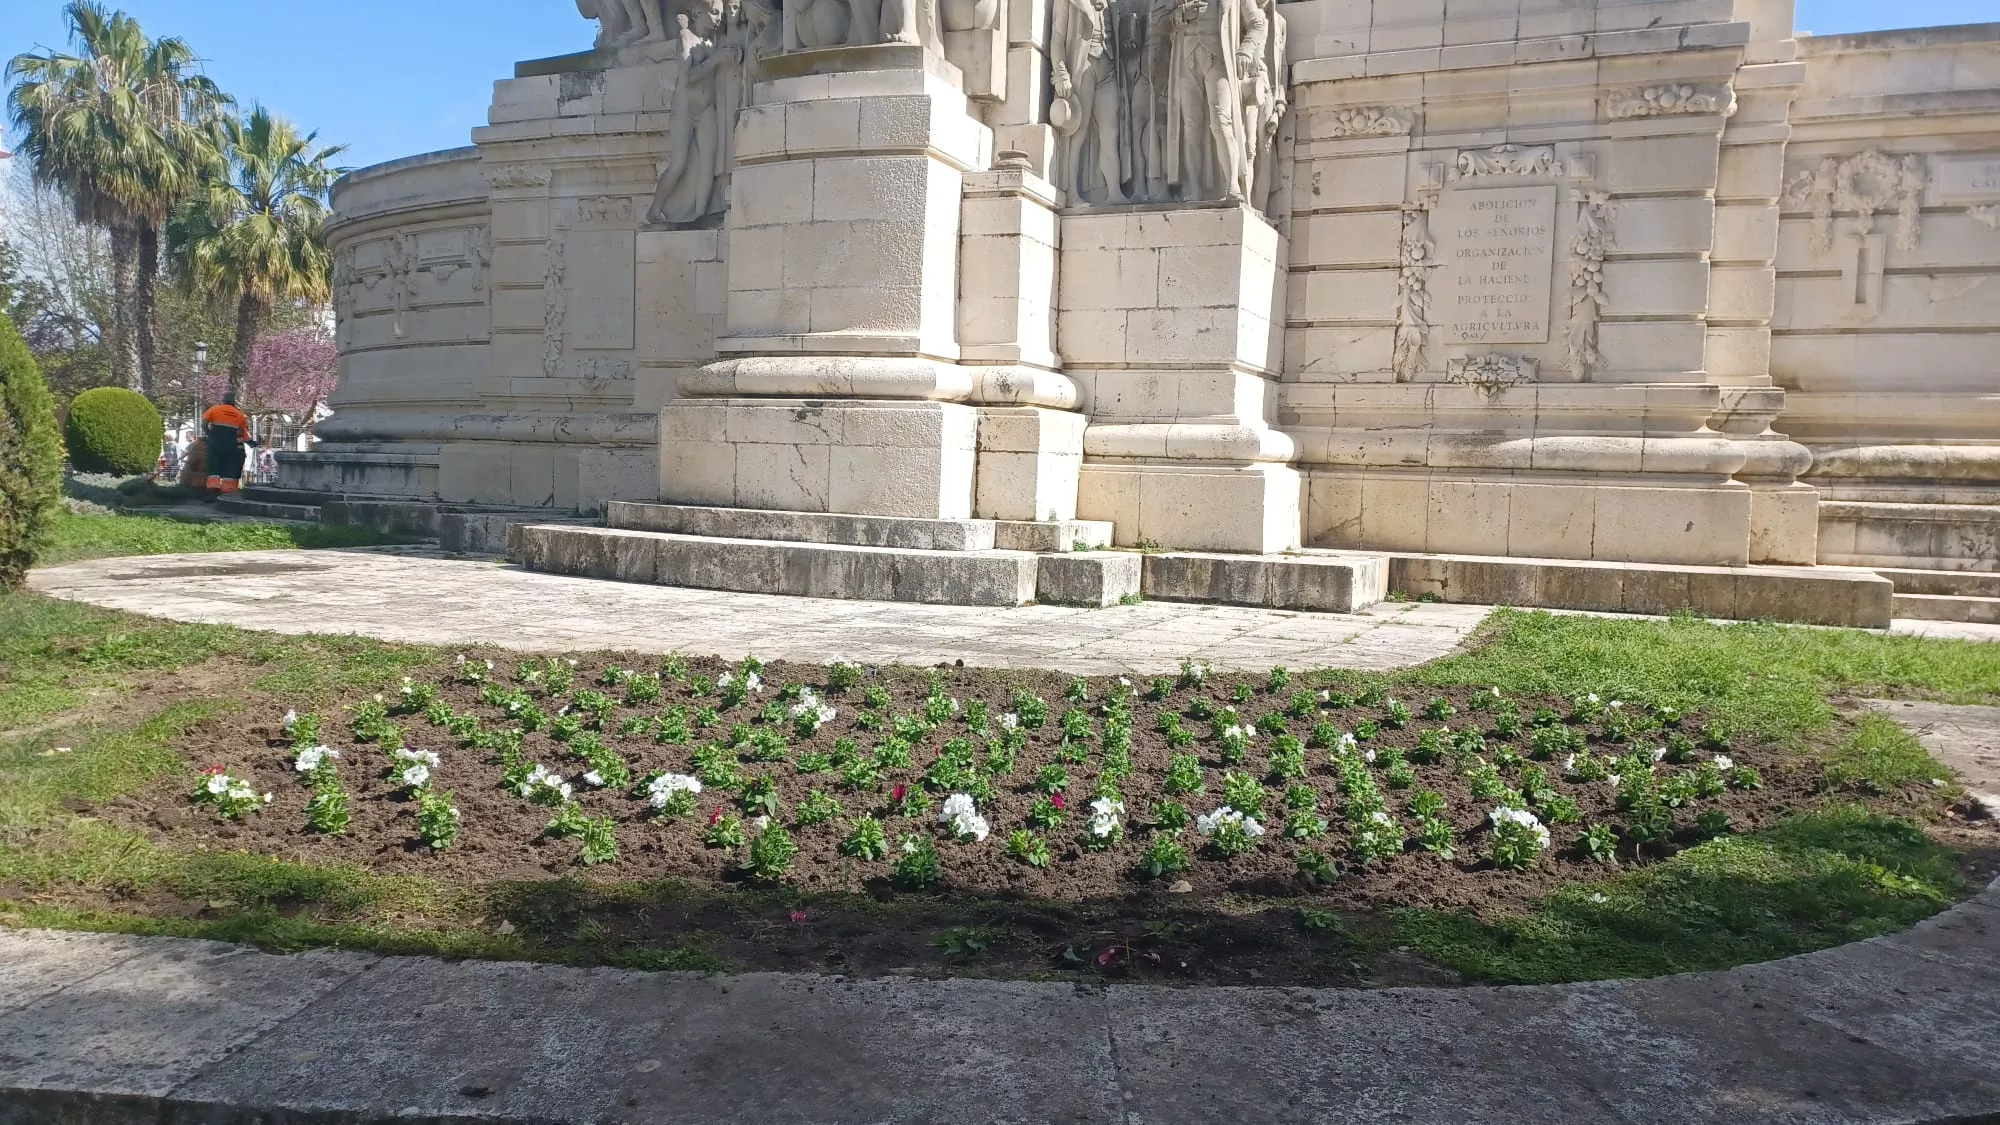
{"x":395,"y":77}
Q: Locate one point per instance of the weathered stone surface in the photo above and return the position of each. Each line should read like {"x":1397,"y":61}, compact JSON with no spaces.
{"x":1331,"y":584}
{"x":805,"y":527}
{"x":1045,"y":537}
{"x":1091,"y":578}
{"x":1792,"y":594}
{"x":818,"y":570}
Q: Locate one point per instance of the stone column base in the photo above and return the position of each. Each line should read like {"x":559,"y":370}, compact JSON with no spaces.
{"x":1582,"y":518}
{"x":1029,"y":459}
{"x":874,"y":458}
{"x":1196,"y":507}
{"x":1784,"y":524}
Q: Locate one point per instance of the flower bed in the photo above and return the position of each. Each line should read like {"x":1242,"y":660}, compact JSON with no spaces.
{"x":839,"y":778}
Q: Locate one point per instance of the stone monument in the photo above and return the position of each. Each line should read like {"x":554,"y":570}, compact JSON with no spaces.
{"x":1504,"y":300}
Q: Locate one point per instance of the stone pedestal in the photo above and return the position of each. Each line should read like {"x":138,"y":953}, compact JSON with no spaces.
{"x":1784,"y":514}
{"x":836,"y":386}
{"x":1166,"y":322}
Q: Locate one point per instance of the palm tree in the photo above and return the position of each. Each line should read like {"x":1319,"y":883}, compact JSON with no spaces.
{"x":118,"y":127}
{"x":254,"y":236}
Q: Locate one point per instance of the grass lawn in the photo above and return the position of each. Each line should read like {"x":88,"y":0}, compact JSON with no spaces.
{"x":106,"y":718}
{"x":151,"y":533}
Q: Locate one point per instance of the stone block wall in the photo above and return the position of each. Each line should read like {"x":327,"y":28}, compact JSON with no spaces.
{"x":1887,"y":323}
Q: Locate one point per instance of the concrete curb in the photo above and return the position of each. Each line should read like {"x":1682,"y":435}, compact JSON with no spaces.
{"x":115,"y":1030}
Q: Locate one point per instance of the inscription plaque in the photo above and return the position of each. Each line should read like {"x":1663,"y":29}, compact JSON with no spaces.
{"x":1969,"y":181}
{"x":1497,"y":256}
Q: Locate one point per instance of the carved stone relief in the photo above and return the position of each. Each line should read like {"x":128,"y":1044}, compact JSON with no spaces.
{"x":1493,"y":371}
{"x":1502,"y":161}
{"x":1162,"y":101}
{"x":1413,"y":293}
{"x":1670,"y":100}
{"x":508,"y":176}
{"x":1864,"y":185}
{"x":1586,"y":283}
{"x":1367,"y":121}
{"x":555,"y":305}
{"x":719,"y":46}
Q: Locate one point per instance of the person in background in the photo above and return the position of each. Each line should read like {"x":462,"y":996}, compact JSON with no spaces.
{"x":228,"y":432}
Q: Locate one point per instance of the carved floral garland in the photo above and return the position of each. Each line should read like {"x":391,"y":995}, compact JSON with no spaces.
{"x":1586,"y":283}
{"x":1669,"y":100}
{"x":1413,"y":296}
{"x":1369,"y":121}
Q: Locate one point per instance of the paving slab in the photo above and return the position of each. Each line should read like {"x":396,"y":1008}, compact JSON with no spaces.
{"x":1964,"y":738}
{"x":465,"y":602}
{"x":173,"y":1032}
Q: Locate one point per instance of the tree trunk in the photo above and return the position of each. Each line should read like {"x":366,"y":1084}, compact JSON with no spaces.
{"x":124,"y":307}
{"x":147,"y":280}
{"x":249,"y":319}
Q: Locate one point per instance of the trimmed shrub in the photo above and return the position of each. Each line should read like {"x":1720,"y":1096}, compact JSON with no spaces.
{"x":113,"y":430}
{"x":30,"y":458}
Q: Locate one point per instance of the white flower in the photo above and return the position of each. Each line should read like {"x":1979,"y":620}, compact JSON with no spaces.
{"x":1123,"y":682}
{"x":594,"y":779}
{"x":1239,"y":733}
{"x":1569,"y":765}
{"x":418,"y":757}
{"x":1346,"y":744}
{"x":1528,"y":820}
{"x":1494,"y":691}
{"x":909,"y":845}
{"x":961,"y":815}
{"x":1659,"y":753}
{"x":1591,"y":698}
{"x":291,"y":720}
{"x":219,"y":783}
{"x":1615,"y":704}
{"x":1010,"y":721}
{"x":1105,"y":813}
{"x":812,"y":706}
{"x":660,"y":791}
{"x":268,"y":798}
{"x":416,"y":777}
{"x":1369,"y":756}
{"x":1724,"y":762}
{"x":1614,"y":780}
{"x":409,"y":687}
{"x":311,"y":757}
{"x":759,"y":823}
{"x":1208,"y":823}
{"x":541,"y":778}
{"x":1598,"y":898}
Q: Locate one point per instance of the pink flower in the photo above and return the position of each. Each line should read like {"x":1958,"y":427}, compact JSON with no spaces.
{"x":211,"y":771}
{"x":1056,"y":799}
{"x":896,"y":794}
{"x":715,"y":817}
{"x":798,"y":916}
{"x":1105,"y":958}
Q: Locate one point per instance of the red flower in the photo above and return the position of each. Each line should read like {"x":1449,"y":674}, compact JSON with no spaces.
{"x":715,"y":817}
{"x":1105,"y":958}
{"x":211,"y":771}
{"x":798,"y":915}
{"x":896,"y":794}
{"x":1056,"y":799}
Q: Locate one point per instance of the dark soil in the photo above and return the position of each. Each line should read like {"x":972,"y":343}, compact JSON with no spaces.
{"x":1225,"y":920}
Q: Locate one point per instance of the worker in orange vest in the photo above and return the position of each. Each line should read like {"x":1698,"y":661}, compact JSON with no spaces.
{"x":228,"y":431}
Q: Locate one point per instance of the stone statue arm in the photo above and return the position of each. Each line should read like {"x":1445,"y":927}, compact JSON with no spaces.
{"x":1061,"y":47}
{"x":1256,"y":29}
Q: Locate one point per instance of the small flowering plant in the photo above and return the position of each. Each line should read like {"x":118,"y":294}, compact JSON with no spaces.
{"x":1519,"y":838}
{"x":917,"y":862}
{"x":809,"y":713}
{"x":437,"y":819}
{"x":1106,"y":825}
{"x":413,"y":768}
{"x":311,"y":758}
{"x":231,"y":796}
{"x":961,"y":818}
{"x":1228,"y":832}
{"x":543,"y":787}
{"x":672,"y":794}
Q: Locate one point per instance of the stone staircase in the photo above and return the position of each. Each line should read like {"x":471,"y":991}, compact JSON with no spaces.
{"x":940,"y":562}
{"x":1946,"y":595}
{"x":265,"y":502}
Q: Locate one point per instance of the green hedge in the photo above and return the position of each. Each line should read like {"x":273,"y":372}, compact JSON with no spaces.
{"x":113,"y":430}
{"x":30,"y":458}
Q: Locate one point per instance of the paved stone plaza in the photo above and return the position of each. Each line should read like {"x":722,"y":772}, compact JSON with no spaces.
{"x":423,"y":598}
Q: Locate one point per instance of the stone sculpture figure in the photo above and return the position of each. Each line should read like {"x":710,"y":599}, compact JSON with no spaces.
{"x":701,"y":119}
{"x":814,"y":24}
{"x":1088,"y":91}
{"x":1167,"y":100}
{"x":621,"y":23}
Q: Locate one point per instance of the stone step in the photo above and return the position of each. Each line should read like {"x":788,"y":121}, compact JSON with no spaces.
{"x":859,"y":531}
{"x":1951,"y":583}
{"x":1798,"y":595}
{"x":239,"y":505}
{"x":1948,"y":607}
{"x":762,"y":566}
{"x":267,"y":494}
{"x":1324,"y":583}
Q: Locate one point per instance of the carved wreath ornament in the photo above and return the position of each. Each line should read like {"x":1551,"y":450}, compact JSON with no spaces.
{"x":1865,"y":184}
{"x":1369,"y":121}
{"x":1670,"y":100}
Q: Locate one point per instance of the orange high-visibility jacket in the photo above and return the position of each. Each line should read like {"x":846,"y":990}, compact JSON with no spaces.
{"x":223,"y":414}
